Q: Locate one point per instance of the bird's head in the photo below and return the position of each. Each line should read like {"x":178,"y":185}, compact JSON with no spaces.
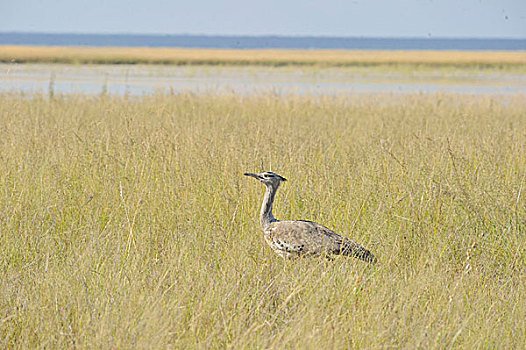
{"x":268,"y":178}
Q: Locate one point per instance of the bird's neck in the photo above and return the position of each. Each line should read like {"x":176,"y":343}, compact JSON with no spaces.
{"x":266,"y":208}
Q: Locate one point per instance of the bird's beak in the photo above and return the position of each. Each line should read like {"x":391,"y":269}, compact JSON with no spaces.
{"x":256,"y":176}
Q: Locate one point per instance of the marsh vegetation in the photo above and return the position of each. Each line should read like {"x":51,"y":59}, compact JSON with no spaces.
{"x":126,"y":222}
{"x":494,"y":60}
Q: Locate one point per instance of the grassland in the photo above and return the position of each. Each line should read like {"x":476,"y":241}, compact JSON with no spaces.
{"x":127,"y":223}
{"x":502,"y":60}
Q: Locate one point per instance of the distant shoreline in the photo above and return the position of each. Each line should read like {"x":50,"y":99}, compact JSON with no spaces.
{"x":262,"y":42}
{"x":499,"y":60}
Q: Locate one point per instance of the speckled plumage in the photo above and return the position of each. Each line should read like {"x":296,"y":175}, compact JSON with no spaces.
{"x":292,"y":239}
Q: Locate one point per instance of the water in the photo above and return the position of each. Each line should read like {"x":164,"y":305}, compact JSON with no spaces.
{"x":138,"y":79}
{"x":260,"y":42}
{"x":147,"y":79}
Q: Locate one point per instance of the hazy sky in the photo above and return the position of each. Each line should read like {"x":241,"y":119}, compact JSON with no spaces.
{"x":379,"y":18}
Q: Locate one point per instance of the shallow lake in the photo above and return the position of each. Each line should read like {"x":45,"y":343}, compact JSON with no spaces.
{"x":147,"y":79}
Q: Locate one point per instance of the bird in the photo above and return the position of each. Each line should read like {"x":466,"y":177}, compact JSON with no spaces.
{"x":301,"y":238}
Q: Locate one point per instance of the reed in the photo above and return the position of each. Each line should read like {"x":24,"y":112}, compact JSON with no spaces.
{"x":335,"y":58}
{"x":128,"y":223}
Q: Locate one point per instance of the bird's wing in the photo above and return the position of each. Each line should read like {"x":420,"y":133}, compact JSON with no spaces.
{"x":304,"y":237}
{"x":307,"y":237}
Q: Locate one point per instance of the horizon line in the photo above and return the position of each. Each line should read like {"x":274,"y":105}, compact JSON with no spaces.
{"x":255,"y":36}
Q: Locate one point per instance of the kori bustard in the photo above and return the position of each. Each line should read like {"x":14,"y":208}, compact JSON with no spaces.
{"x":292,"y":239}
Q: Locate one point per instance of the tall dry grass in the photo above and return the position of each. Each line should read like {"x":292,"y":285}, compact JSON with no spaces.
{"x":127,"y":223}
{"x":338,"y":58}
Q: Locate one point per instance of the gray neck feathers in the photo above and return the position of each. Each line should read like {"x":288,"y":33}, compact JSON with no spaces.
{"x":266,"y":207}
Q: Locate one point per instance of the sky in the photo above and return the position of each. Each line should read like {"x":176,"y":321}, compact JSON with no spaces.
{"x":345,"y":18}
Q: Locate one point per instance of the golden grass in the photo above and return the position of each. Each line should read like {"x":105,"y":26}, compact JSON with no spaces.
{"x":115,"y":55}
{"x":127,"y":223}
